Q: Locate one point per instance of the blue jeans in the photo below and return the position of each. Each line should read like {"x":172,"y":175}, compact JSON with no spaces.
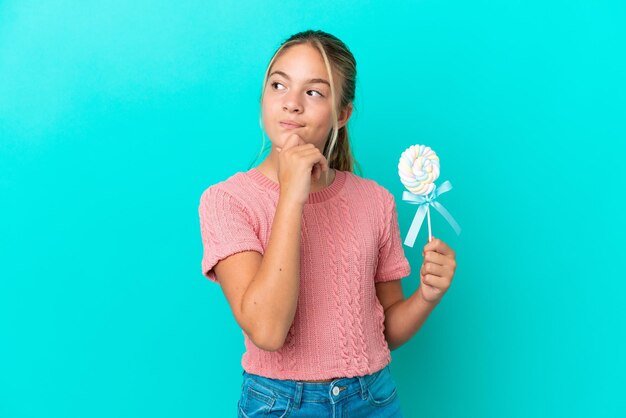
{"x":372,"y":395}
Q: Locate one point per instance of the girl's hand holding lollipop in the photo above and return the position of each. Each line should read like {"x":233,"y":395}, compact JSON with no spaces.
{"x":437,"y":270}
{"x":418,"y":169}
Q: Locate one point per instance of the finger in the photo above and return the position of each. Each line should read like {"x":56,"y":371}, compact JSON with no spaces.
{"x":436,"y":282}
{"x":305,"y":149}
{"x":314,"y":151}
{"x":317,"y":172}
{"x":313,"y":156}
{"x":436,"y":258}
{"x":434,"y":269}
{"x":439,"y":246}
{"x":292,"y":141}
{"x":323,"y":163}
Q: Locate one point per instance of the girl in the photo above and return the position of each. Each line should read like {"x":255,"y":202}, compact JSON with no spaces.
{"x":309,"y":254}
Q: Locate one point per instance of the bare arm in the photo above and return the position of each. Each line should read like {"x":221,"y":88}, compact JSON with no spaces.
{"x":404,"y":318}
{"x":270,"y":301}
{"x":263,"y":291}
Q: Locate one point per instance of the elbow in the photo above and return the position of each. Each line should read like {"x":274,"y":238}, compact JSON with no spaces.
{"x":274,"y":337}
{"x":269,"y":341}
{"x":266,"y":337}
{"x":272,"y":347}
{"x":264,"y":333}
{"x":270,"y":336}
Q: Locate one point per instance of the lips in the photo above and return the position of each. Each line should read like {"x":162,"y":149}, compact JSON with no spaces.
{"x":289,"y":124}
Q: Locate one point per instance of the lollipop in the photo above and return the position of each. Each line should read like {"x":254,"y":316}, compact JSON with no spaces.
{"x":418,"y":169}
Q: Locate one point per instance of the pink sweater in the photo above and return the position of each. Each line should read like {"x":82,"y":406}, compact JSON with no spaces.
{"x":349,"y":240}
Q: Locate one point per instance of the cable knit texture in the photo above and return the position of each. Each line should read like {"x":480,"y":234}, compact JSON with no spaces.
{"x":349,"y":241}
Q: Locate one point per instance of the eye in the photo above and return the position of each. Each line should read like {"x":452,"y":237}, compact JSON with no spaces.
{"x":276,"y":83}
{"x":321,"y":95}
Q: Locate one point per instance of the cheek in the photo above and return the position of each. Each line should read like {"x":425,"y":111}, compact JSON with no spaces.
{"x":323,"y":118}
{"x":265,"y":107}
{"x":272,"y":109}
{"x":326,"y":123}
{"x":268,"y":112}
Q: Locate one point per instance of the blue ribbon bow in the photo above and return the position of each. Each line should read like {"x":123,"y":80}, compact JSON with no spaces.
{"x":423,"y":202}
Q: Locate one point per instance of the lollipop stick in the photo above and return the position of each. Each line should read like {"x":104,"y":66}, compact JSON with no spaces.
{"x":430,"y":236}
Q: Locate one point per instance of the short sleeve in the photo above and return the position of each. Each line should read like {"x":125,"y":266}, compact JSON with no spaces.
{"x":225,"y":228}
{"x":392,"y":263}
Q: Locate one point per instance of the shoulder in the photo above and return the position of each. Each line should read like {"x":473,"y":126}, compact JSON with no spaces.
{"x":233,"y":190}
{"x":372,"y":187}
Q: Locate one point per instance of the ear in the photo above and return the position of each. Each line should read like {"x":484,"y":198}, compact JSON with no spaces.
{"x":345,"y":115}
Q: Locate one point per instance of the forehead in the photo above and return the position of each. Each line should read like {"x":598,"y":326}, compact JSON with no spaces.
{"x":301,"y":62}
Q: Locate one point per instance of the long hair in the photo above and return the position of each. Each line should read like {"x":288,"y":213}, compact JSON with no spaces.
{"x":339,"y":63}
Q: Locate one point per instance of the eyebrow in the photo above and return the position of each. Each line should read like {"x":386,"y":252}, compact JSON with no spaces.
{"x":311,"y":81}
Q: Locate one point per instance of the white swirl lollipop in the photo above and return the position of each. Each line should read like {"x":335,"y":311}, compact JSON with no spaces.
{"x":419,"y":168}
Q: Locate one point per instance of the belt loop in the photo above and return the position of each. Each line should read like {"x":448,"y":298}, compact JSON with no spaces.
{"x":363,"y":383}
{"x":297,"y":397}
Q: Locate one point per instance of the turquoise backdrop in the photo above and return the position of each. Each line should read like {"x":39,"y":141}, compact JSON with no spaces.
{"x":115,"y":116}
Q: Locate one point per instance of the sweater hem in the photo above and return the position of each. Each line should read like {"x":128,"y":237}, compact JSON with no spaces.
{"x":395,"y":274}
{"x":316,"y":375}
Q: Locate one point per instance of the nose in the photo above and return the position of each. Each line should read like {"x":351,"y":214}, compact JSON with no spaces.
{"x":291,"y":102}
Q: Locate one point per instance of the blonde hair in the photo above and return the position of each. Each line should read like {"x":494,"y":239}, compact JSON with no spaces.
{"x":339,"y":63}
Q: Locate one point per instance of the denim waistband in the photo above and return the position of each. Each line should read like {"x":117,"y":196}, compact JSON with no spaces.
{"x":301,"y":391}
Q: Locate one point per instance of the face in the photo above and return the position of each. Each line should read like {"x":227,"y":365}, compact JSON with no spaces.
{"x":298,"y":91}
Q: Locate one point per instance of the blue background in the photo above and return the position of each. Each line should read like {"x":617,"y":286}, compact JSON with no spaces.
{"x":115,"y":116}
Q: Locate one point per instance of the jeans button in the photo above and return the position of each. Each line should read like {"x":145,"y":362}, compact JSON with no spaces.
{"x":336,"y":391}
